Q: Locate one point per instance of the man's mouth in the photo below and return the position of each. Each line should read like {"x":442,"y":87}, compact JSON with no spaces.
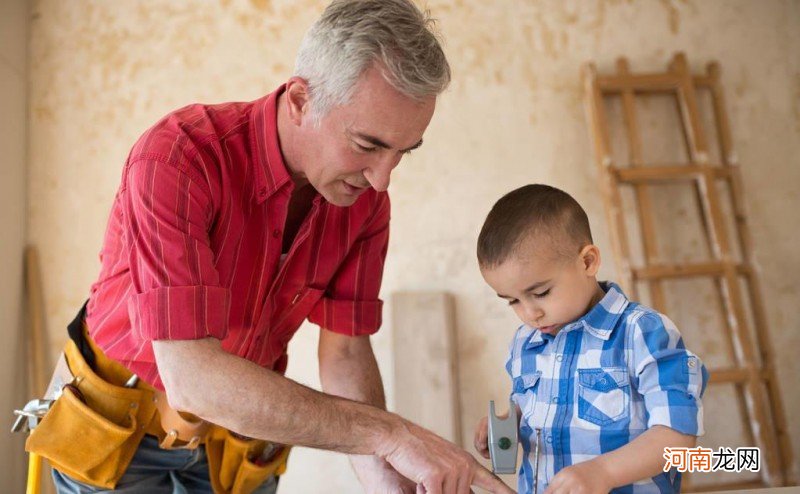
{"x":353,"y":189}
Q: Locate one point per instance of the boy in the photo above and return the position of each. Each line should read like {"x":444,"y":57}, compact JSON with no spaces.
{"x":604,"y":383}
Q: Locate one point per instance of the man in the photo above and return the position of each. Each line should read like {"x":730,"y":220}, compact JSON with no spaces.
{"x":236,"y":222}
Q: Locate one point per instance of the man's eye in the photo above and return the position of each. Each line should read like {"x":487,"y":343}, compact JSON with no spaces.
{"x":542,"y":295}
{"x":365,"y":148}
{"x":512,"y":302}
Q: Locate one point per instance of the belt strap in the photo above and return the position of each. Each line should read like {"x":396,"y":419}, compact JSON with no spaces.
{"x":180,"y":431}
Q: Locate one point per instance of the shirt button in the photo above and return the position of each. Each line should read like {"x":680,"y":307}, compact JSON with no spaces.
{"x":548,"y":439}
{"x":262,"y":191}
{"x":559,"y":358}
{"x":691,"y":363}
{"x":276,"y":233}
{"x":555,"y":399}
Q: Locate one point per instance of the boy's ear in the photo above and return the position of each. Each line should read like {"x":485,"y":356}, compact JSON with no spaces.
{"x":297,"y":98}
{"x":590,"y":257}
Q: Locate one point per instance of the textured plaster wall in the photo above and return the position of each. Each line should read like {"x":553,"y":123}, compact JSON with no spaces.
{"x":102,"y":72}
{"x":13,"y":133}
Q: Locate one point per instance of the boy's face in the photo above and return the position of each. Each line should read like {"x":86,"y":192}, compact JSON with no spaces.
{"x":547,"y":293}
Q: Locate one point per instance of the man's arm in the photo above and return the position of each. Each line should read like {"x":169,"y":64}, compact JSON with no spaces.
{"x":640,"y":459}
{"x":203,"y":379}
{"x":347,"y":368}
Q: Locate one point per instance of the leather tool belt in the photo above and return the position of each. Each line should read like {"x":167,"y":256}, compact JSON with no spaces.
{"x":101,"y":413}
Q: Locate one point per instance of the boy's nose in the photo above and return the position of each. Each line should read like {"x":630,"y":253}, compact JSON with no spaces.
{"x":533,"y":314}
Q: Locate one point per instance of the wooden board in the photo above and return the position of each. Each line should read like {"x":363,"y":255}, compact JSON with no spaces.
{"x":425,"y":363}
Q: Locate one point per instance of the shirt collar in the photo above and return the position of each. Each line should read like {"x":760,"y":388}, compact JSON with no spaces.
{"x":601,"y":319}
{"x":270,"y":169}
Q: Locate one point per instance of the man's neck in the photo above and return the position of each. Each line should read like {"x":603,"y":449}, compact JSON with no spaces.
{"x":286,"y":142}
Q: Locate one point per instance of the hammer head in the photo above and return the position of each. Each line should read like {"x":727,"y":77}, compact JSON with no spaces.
{"x":503,"y":440}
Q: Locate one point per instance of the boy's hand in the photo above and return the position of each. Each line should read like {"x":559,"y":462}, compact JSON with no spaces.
{"x":481,"y":440}
{"x":583,"y":478}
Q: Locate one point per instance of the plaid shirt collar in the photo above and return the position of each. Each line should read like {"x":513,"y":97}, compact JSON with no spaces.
{"x":600,"y":321}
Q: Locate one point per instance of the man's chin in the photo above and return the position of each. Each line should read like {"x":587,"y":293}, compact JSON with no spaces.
{"x":341,"y":200}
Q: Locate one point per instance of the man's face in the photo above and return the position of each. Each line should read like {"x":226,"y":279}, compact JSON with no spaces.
{"x":546,"y":293}
{"x":358,"y":144}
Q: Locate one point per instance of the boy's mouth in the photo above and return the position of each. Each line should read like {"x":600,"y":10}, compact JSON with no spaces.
{"x":552,"y":329}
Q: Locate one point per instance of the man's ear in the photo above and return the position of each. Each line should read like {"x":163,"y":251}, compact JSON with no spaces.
{"x":590,"y":257}
{"x":297,"y":99}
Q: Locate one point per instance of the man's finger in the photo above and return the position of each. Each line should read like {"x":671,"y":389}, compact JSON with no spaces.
{"x":489,"y":481}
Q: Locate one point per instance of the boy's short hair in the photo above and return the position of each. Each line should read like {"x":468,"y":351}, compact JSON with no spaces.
{"x":547,"y":214}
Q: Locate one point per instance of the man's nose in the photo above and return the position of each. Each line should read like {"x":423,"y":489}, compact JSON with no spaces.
{"x":379,"y":174}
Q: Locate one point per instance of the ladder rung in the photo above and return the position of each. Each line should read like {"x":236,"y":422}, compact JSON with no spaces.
{"x":734,"y":375}
{"x":687,"y":270}
{"x":641,"y":83}
{"x":638,"y":82}
{"x":661,"y":173}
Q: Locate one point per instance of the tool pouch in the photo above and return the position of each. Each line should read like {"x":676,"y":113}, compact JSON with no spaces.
{"x":92,"y":435}
{"x":231,"y":463}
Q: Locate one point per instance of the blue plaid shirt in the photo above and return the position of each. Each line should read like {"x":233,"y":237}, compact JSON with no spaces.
{"x":599,"y":383}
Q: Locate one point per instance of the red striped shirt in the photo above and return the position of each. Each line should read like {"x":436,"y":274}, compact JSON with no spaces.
{"x":194,"y":240}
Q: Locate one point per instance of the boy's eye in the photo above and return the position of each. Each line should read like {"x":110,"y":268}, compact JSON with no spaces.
{"x":542,"y":295}
{"x":512,"y":302}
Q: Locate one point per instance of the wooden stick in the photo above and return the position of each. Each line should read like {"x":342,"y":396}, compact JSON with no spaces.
{"x":38,"y":362}
{"x":37,"y":348}
{"x":669,"y":173}
{"x":643,"y":200}
{"x":730,"y":162}
{"x":593,"y":99}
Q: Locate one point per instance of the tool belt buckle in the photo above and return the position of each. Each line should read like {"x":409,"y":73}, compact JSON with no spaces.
{"x":169,"y":441}
{"x":180,"y":432}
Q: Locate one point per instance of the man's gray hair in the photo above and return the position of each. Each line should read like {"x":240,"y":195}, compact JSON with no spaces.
{"x":351,"y":35}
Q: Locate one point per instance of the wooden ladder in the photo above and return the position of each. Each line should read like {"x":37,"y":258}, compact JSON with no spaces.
{"x":752,"y":373}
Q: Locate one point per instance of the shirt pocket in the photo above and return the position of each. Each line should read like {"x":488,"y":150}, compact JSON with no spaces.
{"x":603,"y":395}
{"x":296,"y":311}
{"x":524,"y":393}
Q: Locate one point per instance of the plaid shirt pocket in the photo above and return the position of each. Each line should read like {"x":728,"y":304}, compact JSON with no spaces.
{"x":603,"y":395}
{"x":524,"y":393}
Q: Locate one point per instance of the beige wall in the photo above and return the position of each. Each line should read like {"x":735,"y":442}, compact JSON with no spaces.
{"x":13,"y":133}
{"x":103,"y":71}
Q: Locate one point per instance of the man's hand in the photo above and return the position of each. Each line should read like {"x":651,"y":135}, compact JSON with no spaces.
{"x":435,"y":464}
{"x":588,"y":477}
{"x":378,"y":477}
{"x":481,"y":440}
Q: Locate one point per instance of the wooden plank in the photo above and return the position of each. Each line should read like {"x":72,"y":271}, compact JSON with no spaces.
{"x":425,"y":361}
{"x":679,"y":270}
{"x":646,"y":83}
{"x":735,"y":375}
{"x":687,"y":101}
{"x":39,"y":367}
{"x":730,"y":161}
{"x":639,"y":82}
{"x":643,"y":201}
{"x":593,"y":99}
{"x":755,"y":380}
{"x":737,"y":320}
{"x":669,"y":173}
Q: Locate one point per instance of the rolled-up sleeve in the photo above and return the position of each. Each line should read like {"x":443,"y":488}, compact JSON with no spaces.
{"x":350,"y":305}
{"x":670,"y":378}
{"x":177,"y":291}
